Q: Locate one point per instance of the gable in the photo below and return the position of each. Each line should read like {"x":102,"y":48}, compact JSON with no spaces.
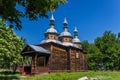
{"x":34,"y":49}
{"x":26,"y":49}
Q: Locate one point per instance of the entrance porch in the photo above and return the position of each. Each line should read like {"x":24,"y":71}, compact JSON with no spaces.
{"x":37,"y":61}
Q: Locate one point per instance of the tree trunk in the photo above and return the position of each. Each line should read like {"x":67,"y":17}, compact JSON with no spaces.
{"x":14,"y":68}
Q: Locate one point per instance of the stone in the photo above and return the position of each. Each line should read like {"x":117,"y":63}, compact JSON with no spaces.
{"x":84,"y":78}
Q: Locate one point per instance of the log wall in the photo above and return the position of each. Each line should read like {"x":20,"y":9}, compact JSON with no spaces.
{"x":78,"y":60}
{"x":58,"y":58}
{"x":66,"y":59}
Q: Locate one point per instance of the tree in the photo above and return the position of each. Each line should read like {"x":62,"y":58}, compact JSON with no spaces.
{"x":32,"y":9}
{"x":119,"y":35}
{"x":94,"y":56}
{"x":104,"y":52}
{"x":117,"y":51}
{"x":106,"y":45}
{"x":10,"y":48}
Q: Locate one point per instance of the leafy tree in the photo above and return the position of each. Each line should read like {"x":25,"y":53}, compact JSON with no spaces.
{"x":85,"y":45}
{"x":119,"y":35}
{"x":104,"y":52}
{"x":2,"y":23}
{"x":106,"y":45}
{"x":32,"y":9}
{"x":117,"y":51}
{"x":10,"y":48}
{"x":94,"y":56}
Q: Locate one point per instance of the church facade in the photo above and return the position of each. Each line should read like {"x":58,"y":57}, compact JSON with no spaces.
{"x":56,"y":53}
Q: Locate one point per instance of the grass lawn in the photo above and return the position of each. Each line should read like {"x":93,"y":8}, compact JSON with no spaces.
{"x":107,"y":75}
{"x":100,"y":75}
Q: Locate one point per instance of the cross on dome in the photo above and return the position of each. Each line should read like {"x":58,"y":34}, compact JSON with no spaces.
{"x":52,"y":17}
{"x":65,"y":21}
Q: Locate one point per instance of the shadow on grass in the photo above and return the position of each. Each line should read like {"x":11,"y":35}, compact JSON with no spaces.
{"x":8,"y":75}
{"x":9,"y":78}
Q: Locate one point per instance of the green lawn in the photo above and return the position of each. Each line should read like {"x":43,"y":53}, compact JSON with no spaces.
{"x":107,"y":75}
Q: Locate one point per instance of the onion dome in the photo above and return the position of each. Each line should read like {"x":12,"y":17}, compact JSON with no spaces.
{"x":65,"y":32}
{"x":51,"y":29}
{"x":75,"y":39}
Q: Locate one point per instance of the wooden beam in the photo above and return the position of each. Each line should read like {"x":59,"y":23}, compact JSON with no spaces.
{"x":44,"y":61}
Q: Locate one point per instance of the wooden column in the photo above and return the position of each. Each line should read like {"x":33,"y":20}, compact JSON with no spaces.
{"x":34,"y":64}
{"x":44,"y":61}
{"x":83,"y":62}
{"x":50,"y":59}
{"x":70,"y":59}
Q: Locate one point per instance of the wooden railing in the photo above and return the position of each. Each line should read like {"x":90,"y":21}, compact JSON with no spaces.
{"x":28,"y":70}
{"x":42,"y":69}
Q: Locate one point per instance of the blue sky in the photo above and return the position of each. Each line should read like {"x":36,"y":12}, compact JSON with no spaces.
{"x":91,"y":17}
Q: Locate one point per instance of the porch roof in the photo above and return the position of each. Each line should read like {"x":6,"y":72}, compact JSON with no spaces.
{"x":36,"y":50}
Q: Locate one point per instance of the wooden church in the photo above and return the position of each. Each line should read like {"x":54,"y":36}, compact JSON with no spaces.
{"x":56,"y":53}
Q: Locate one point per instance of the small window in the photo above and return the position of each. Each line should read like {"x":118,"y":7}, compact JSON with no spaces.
{"x":51,"y":37}
{"x":77,"y":55}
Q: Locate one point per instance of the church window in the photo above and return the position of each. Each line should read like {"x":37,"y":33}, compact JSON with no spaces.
{"x":77,"y":55}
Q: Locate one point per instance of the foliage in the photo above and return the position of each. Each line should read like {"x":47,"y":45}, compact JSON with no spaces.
{"x":104,"y":52}
{"x":10,"y":47}
{"x":32,"y":9}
